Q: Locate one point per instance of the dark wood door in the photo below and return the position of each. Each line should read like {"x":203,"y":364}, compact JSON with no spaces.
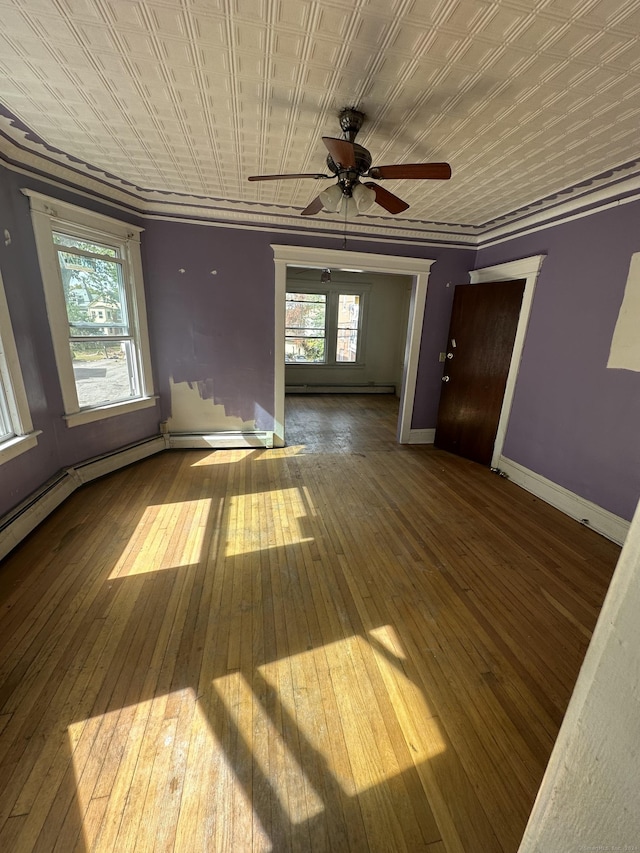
{"x":484,"y":320}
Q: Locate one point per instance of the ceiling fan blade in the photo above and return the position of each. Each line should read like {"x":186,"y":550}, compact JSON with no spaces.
{"x":434,"y":171}
{"x":342,"y":152}
{"x":387,"y":200}
{"x":316,"y":175}
{"x":314,"y":207}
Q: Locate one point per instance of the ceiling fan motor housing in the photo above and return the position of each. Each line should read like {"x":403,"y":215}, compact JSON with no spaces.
{"x":363,"y":161}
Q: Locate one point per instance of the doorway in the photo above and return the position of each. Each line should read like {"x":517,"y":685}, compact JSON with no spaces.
{"x":417,"y":268}
{"x":528,"y":269}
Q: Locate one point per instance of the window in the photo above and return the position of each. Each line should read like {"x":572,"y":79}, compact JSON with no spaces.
{"x":323,"y":327}
{"x":16,"y":429}
{"x":92,"y":275}
{"x":306,"y":328}
{"x":6,"y":428}
{"x":348,"y":327}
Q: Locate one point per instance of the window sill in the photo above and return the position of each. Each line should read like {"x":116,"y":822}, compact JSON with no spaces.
{"x":13,"y":447}
{"x":87,"y":416}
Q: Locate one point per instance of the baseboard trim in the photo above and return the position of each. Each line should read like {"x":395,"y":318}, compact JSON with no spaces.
{"x":24,"y":518}
{"x":101,"y":465}
{"x":590,"y":514}
{"x":339,"y":389}
{"x":422,"y":436}
{"x":227,"y":440}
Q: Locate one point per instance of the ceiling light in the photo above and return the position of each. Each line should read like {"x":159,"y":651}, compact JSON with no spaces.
{"x":348,"y":208}
{"x":364,"y":197}
{"x":331,"y":198}
{"x":325,"y":276}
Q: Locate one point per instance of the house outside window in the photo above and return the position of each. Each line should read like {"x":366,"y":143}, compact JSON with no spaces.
{"x":324,"y":326}
{"x":92,"y":275}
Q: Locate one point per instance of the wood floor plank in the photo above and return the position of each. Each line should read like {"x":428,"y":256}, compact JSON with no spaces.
{"x":343,"y":644}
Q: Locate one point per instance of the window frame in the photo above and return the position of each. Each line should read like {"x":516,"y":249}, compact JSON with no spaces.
{"x":51,"y":216}
{"x":323,"y":336}
{"x":22,"y":436}
{"x":332,"y":291}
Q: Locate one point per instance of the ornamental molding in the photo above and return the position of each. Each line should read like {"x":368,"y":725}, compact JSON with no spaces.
{"x":25,"y":152}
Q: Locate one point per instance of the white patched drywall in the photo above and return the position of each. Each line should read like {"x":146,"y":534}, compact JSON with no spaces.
{"x":191,"y":413}
{"x":589,"y":799}
{"x":625,"y":345}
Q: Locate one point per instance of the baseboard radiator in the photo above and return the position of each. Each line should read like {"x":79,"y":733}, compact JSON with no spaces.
{"x":339,"y":389}
{"x":22,"y":519}
{"x":223,"y":440}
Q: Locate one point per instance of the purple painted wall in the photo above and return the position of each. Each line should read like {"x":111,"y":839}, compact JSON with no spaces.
{"x":573,"y":420}
{"x":59,"y":446}
{"x":217,"y":331}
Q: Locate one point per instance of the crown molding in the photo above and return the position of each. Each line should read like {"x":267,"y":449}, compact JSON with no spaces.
{"x":23,"y":151}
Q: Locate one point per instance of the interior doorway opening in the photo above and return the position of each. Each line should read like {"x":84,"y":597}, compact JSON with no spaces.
{"x":416,"y":271}
{"x":345,"y":332}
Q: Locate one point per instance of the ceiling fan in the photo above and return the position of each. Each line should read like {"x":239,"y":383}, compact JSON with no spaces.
{"x":350,"y":162}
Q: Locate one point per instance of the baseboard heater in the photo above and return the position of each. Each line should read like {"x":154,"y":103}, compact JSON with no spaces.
{"x":223,"y":440}
{"x":22,"y":519}
{"x":339,"y":389}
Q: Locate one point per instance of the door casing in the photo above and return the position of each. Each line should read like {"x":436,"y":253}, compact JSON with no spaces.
{"x":418,"y":268}
{"x":528,"y":269}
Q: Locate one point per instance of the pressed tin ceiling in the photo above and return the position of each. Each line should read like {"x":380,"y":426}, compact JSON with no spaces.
{"x":526,"y":99}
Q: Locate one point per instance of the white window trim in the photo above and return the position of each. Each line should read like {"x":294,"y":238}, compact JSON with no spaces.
{"x":25,"y":437}
{"x":333,"y":290}
{"x":48,"y":215}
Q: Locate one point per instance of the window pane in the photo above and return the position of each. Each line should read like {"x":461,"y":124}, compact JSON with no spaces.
{"x":6,"y":429}
{"x":347,"y":345}
{"x":306,"y":311}
{"x":303,"y":350}
{"x":104,"y":372}
{"x":86,"y":246}
{"x":294,"y":332}
{"x":94,"y":295}
{"x":348,"y":323}
{"x":306,"y":297}
{"x":305,"y":328}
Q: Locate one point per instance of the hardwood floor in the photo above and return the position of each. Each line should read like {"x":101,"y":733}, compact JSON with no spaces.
{"x":342,"y":645}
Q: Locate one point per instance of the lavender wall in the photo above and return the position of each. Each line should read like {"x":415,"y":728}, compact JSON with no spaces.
{"x":573,"y":420}
{"x":59,"y":446}
{"x":217,"y":331}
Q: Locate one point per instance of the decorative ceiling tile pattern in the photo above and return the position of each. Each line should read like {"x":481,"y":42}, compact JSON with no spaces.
{"x":523,"y":97}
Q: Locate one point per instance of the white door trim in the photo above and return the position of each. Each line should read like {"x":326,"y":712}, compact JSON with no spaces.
{"x":306,"y":256}
{"x":528,"y":269}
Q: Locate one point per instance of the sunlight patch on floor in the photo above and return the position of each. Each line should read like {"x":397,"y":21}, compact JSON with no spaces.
{"x":251,"y":526}
{"x":387,"y":637}
{"x":355,"y":715}
{"x":167,"y":536}
{"x":268,"y":749}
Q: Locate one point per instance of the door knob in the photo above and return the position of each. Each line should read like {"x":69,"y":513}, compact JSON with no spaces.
{"x":449,"y":355}
{"x":445,"y":378}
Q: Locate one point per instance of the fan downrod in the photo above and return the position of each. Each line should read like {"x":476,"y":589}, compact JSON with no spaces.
{"x":351,"y":121}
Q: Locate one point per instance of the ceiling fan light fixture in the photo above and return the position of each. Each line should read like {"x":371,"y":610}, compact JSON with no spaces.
{"x":349,"y":207}
{"x":364,"y":197}
{"x":331,"y":198}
